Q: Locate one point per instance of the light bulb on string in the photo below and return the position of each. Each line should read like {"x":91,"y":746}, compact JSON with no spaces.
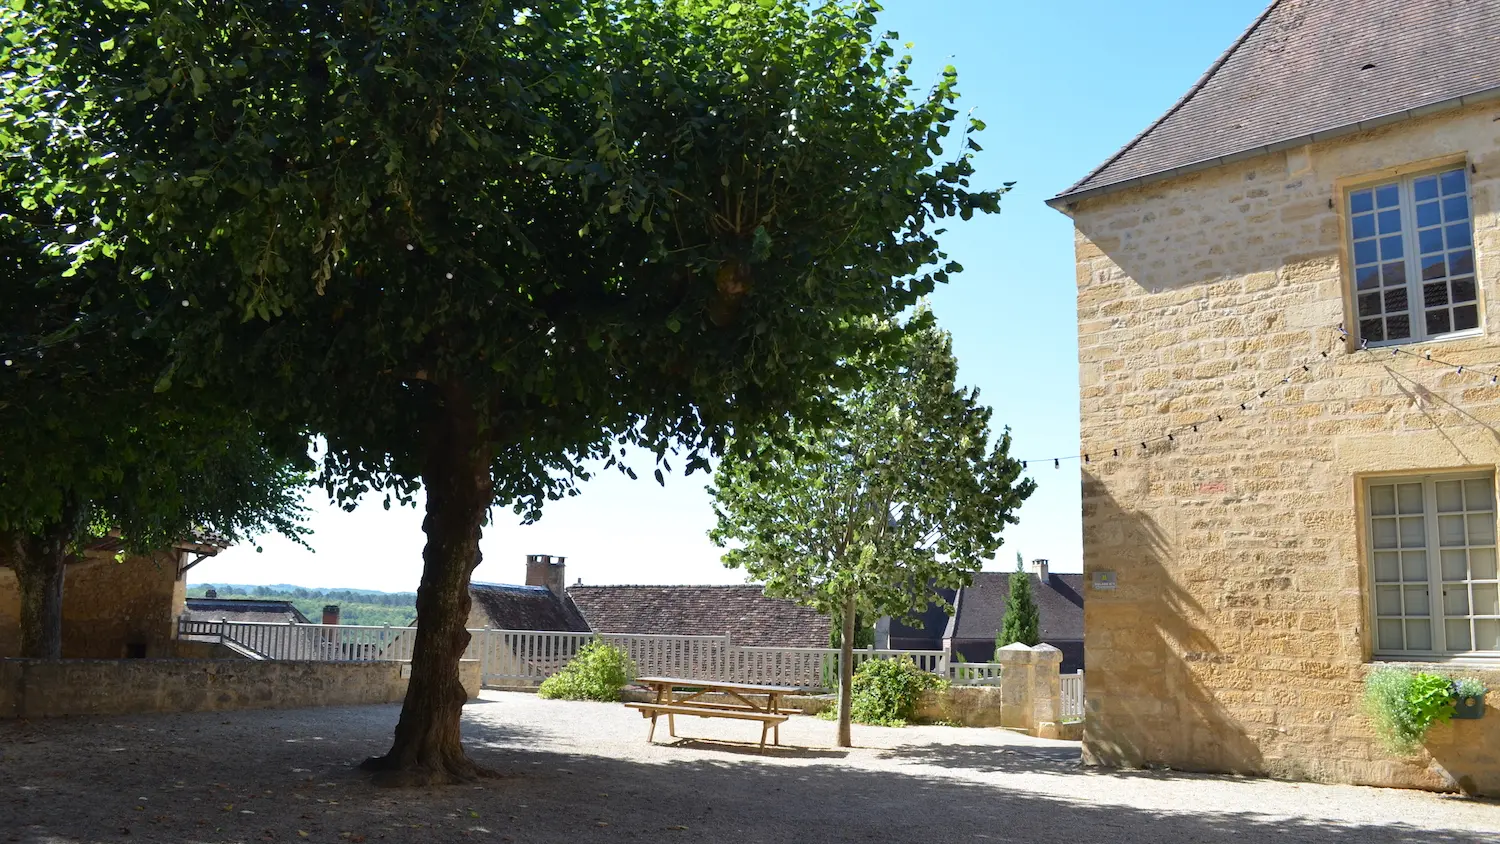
{"x":1056,"y":463}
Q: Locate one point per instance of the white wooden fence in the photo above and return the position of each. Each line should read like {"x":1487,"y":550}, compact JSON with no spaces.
{"x":527,"y":657}
{"x":1072,"y":696}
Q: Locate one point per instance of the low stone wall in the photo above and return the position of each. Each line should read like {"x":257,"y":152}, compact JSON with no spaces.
{"x":51,"y":688}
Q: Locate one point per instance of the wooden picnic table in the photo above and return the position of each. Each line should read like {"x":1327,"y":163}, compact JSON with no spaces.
{"x":684,"y":696}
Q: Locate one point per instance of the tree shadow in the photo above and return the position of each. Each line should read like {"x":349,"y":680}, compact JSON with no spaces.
{"x":1155,"y":675}
{"x":753,"y":749}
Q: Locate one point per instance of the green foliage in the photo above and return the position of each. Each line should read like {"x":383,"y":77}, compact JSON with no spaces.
{"x":887,"y":691}
{"x":356,"y":606}
{"x":1404,"y":705}
{"x":1021,"y":622}
{"x":598,"y":672}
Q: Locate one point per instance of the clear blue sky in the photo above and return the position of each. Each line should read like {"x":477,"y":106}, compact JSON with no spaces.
{"x":1061,"y":85}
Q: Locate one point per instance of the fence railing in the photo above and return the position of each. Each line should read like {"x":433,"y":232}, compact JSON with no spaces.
{"x":527,"y":657}
{"x":1072,"y":696}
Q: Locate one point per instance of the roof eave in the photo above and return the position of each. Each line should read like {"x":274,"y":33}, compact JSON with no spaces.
{"x":1065,"y":202}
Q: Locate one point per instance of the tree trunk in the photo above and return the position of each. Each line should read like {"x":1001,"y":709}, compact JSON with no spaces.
{"x":38,"y":561}
{"x":456,"y":477}
{"x":846,"y":675}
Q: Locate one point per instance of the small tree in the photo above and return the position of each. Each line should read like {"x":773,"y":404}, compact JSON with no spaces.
{"x":863,"y":515}
{"x":1021,"y":620}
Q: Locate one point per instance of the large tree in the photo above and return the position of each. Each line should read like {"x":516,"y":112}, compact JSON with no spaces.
{"x":474,"y":244}
{"x":863,"y":513}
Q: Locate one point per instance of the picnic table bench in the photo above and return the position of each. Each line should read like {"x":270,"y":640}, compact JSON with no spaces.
{"x":684,"y":696}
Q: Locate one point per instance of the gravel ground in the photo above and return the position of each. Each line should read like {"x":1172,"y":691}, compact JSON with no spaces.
{"x":582,"y":772}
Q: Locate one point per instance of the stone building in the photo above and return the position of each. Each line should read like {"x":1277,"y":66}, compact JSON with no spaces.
{"x":114,"y":609}
{"x":1273,"y":505}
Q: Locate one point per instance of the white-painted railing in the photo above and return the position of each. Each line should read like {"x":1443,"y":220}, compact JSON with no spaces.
{"x":975,"y":673}
{"x":1072,"y":696}
{"x":526,"y":657}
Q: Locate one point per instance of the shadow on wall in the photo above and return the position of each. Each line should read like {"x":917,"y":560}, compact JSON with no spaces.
{"x":279,"y":785}
{"x":1154,"y":674}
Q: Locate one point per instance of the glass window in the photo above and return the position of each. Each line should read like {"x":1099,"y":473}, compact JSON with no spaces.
{"x":1412,"y":244}
{"x":1435,"y":587}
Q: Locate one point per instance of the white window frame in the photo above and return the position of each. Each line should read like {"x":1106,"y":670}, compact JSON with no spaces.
{"x":1433,"y":553}
{"x":1411,"y":256}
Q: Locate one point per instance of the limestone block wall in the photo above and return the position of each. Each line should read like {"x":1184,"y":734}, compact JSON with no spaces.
{"x":1237,"y":636}
{"x":107,"y":607}
{"x":48,"y":689}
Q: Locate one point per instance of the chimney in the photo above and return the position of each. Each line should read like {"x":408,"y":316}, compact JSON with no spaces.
{"x":545,"y":570}
{"x":1040,"y":567}
{"x":210,"y":593}
{"x":331,"y":614}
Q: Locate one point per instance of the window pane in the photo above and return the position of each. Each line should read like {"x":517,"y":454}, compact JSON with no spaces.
{"x":1383,"y":500}
{"x":1398,"y":327}
{"x":1390,"y":221}
{"x":1482,"y":563}
{"x":1364,"y":251}
{"x":1435,"y":294}
{"x":1369,"y":304}
{"x":1458,"y":237}
{"x":1414,"y":566}
{"x":1389,"y":637}
{"x":1437,"y":322}
{"x":1455,"y":565}
{"x":1419,"y":635}
{"x":1482,"y":529}
{"x":1426,"y":188}
{"x":1465,"y":317}
{"x":1372,"y":330}
{"x":1388,"y":600}
{"x":1388,"y":567}
{"x":1363,"y":225}
{"x":1427,"y":215}
{"x":1453,"y":181}
{"x":1458,"y":635}
{"x":1432,"y":267}
{"x":1450,"y":496}
{"x":1416,"y":601}
{"x":1461,"y":263}
{"x":1486,"y":634}
{"x":1363,"y":200}
{"x":1386,"y":196}
{"x":1393,"y":274}
{"x":1395,"y":300}
{"x":1456,"y":208}
{"x":1456,"y":600}
{"x":1428,"y":242}
{"x":1479,"y":494}
{"x":1409,"y":498}
{"x":1414,"y":532}
{"x":1486,"y":599}
{"x":1390,"y":247}
{"x":1450,"y":530}
{"x":1463,"y":290}
{"x":1368,"y":277}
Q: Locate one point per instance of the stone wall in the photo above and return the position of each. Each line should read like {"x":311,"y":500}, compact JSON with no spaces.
{"x":47,"y":689}
{"x":1238,"y":635}
{"x":108,"y":607}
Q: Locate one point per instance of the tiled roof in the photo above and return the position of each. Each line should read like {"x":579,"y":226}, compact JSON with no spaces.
{"x":525,"y":608}
{"x":926,"y":631}
{"x":1059,"y":603}
{"x":243,"y":609}
{"x":1312,"y":67}
{"x":744,"y":612}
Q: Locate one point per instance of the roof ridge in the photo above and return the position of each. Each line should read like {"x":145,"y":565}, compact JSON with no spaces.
{"x":1177,"y":106}
{"x":666,"y":585}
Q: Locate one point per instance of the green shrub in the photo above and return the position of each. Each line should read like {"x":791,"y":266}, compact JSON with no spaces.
{"x":886,"y":691}
{"x":1404,"y":706}
{"x":598,"y":672}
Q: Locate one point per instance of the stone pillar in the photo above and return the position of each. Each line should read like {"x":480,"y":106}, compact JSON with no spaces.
{"x":1046,"y":692}
{"x":1016,"y":684}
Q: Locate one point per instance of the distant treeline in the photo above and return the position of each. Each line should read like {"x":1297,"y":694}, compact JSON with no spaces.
{"x":356,"y":606}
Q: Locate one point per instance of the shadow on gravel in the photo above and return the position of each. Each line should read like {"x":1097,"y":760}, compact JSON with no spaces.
{"x":248,"y":787}
{"x":753,"y":750}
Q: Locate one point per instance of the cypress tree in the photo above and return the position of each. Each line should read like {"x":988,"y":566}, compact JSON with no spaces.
{"x":1021,"y":623}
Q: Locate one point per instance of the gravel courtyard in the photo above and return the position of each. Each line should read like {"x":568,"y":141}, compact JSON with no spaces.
{"x":582,"y":772}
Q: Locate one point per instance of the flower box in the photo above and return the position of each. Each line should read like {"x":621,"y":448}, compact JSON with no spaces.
{"x":1468,"y":707}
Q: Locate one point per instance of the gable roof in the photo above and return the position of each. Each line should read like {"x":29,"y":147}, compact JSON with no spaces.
{"x":744,"y":612}
{"x":1310,"y":69}
{"x":525,"y":608}
{"x":243,"y":609}
{"x":981,"y":606}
